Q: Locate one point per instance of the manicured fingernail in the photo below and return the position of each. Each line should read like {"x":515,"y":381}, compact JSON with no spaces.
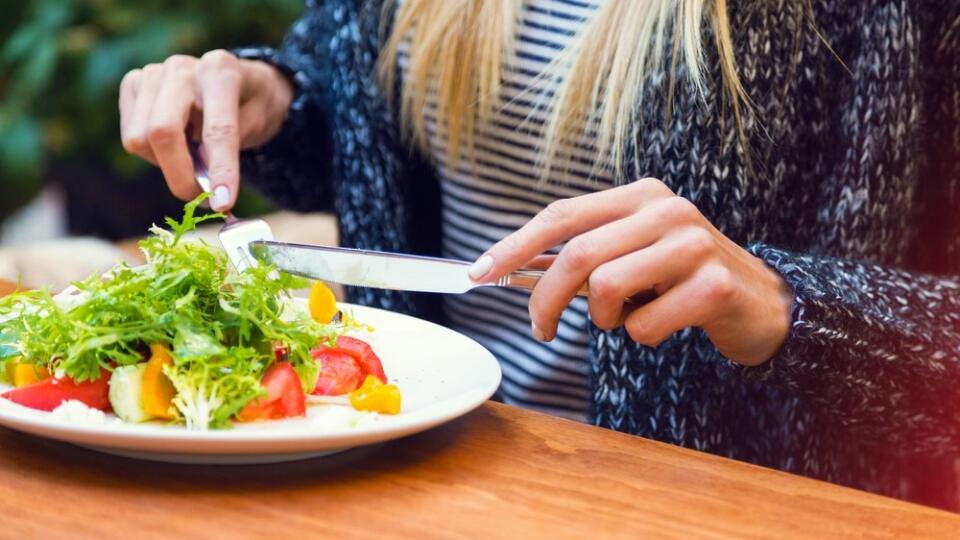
{"x":220,"y":198}
{"x":537,"y":333}
{"x":480,"y":268}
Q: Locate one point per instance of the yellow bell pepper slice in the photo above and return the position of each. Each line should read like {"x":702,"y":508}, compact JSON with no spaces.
{"x":323,"y":304}
{"x":158,"y":391}
{"x":375,"y":396}
{"x":21,"y":374}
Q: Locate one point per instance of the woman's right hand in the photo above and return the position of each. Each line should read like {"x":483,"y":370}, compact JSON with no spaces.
{"x":228,"y":103}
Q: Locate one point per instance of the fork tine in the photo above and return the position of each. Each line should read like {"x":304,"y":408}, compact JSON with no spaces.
{"x":236,"y":235}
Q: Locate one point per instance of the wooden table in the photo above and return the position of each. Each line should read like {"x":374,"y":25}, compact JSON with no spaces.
{"x":498,"y":472}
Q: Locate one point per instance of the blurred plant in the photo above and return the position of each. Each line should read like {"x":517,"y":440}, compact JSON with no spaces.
{"x":61,"y":62}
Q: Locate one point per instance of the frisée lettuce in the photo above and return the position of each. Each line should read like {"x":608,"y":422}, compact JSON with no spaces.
{"x":221,"y":327}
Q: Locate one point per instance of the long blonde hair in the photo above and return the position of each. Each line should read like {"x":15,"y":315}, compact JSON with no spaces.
{"x":457,"y":49}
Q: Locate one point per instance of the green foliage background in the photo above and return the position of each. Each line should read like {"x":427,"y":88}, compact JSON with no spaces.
{"x":61,"y":62}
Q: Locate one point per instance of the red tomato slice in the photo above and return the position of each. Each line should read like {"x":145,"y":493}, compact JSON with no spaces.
{"x":49,"y":393}
{"x":339,"y":372}
{"x":361,"y":351}
{"x":284,"y":399}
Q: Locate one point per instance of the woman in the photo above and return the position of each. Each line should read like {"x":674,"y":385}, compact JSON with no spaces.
{"x":801,"y":237}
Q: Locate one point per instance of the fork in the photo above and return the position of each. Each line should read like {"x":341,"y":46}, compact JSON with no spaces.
{"x":236,"y":234}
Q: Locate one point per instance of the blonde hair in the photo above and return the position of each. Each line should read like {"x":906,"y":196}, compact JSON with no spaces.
{"x":457,"y":49}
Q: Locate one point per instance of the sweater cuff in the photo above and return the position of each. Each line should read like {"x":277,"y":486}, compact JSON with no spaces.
{"x":787,"y":367}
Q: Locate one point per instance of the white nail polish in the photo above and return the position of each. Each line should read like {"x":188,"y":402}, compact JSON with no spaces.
{"x":480,"y":268}
{"x":220,"y":197}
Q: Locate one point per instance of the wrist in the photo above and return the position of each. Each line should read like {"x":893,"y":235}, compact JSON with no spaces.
{"x":759,"y":322}
{"x":776,"y":315}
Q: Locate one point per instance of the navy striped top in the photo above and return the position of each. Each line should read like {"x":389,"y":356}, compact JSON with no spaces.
{"x":485,"y":202}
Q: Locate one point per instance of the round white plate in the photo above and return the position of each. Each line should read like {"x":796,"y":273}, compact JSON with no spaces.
{"x":442,"y":375}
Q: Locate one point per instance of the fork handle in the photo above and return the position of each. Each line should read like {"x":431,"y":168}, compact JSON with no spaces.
{"x":527,"y":279}
{"x":200,"y":173}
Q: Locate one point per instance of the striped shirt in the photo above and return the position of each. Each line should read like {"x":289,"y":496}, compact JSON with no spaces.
{"x":484,"y":203}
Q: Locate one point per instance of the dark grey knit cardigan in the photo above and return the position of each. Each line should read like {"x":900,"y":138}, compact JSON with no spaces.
{"x":853,"y":197}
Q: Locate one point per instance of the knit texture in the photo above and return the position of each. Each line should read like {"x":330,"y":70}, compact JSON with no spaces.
{"x":851,"y":192}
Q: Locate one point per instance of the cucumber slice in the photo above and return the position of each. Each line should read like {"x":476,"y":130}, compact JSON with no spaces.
{"x":308,"y":372}
{"x":126,"y":389}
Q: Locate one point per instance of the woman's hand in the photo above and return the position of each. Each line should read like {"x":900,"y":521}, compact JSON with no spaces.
{"x":639,"y":237}
{"x":230,"y":104}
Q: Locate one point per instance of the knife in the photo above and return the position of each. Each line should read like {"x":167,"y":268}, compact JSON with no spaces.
{"x":398,"y":271}
{"x":381,"y":270}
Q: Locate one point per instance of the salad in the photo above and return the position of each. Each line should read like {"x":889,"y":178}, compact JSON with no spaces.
{"x":185,"y":341}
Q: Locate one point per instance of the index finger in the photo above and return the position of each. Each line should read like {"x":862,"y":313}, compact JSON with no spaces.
{"x":220,"y":94}
{"x":561,"y":221}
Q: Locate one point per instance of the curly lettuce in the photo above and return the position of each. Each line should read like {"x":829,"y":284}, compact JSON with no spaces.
{"x":221,"y":326}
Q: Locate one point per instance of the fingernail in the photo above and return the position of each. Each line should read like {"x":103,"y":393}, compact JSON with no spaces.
{"x":220,"y":197}
{"x":537,"y":333}
{"x":480,"y":268}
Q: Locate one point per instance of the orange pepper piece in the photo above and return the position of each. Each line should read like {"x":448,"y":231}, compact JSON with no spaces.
{"x":323,"y":304}
{"x":375,"y":396}
{"x":21,"y":374}
{"x":158,"y":391}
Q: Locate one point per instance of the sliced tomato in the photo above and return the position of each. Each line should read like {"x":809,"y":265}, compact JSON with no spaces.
{"x":362,"y":352}
{"x":339,"y":372}
{"x":49,"y":393}
{"x":284,"y":399}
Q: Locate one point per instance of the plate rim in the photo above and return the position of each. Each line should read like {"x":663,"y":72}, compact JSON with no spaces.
{"x":238,"y":441}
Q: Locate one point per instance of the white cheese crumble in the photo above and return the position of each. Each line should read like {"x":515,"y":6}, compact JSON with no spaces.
{"x":76,"y":412}
{"x":339,"y":417}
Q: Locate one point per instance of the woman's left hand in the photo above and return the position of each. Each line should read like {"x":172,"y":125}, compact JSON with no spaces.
{"x":634,"y":238}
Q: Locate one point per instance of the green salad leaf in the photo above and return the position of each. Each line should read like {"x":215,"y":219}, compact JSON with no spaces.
{"x":221,"y":326}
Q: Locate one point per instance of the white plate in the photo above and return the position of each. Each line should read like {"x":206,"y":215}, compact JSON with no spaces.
{"x":442,"y":375}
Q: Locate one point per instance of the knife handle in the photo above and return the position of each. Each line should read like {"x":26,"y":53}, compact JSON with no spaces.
{"x":527,"y":279}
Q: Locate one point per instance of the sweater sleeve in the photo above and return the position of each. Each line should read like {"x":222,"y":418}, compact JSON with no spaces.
{"x":294,"y":168}
{"x":879,"y":348}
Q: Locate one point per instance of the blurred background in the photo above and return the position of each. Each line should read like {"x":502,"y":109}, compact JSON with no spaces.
{"x":63,"y":172}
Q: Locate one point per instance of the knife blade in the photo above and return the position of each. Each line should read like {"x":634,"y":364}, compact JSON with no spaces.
{"x":363,"y":268}
{"x":382,"y":270}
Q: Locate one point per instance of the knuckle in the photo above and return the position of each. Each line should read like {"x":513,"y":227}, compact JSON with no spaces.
{"x":134,"y":144}
{"x":162,"y":134}
{"x":152,"y":70}
{"x":653,"y":185}
{"x":718,"y":283}
{"x":219,"y":133}
{"x":130,"y":77}
{"x":180,"y":62}
{"x":603,"y":286}
{"x":219,"y":59}
{"x":578,"y":253}
{"x":678,"y":209}
{"x":698,"y":242}
{"x":223,"y":170}
{"x":558,"y":212}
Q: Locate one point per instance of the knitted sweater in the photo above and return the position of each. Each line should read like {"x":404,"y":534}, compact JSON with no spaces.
{"x":851,"y":193}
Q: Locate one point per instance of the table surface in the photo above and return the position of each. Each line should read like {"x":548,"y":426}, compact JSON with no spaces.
{"x":498,"y":472}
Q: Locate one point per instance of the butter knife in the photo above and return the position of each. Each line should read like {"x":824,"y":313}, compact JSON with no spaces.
{"x":383,"y":270}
